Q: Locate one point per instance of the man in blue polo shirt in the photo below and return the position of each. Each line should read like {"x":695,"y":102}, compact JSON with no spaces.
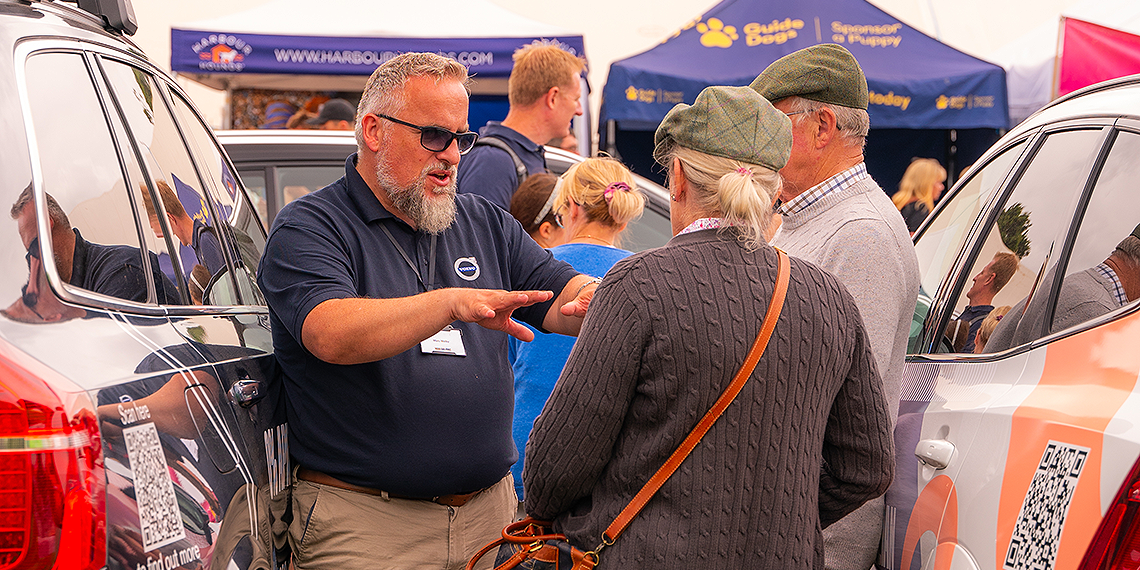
{"x":391,"y":299}
{"x":544,"y":92}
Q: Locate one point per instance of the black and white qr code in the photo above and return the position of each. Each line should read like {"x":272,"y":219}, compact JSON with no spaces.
{"x":160,"y":522}
{"x":1037,"y":532}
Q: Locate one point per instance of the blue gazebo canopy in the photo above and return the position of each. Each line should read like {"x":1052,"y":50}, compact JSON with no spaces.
{"x":916,"y":82}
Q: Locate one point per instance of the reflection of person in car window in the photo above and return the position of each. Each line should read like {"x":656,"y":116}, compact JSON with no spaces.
{"x":987,"y":283}
{"x":191,"y":232}
{"x":199,"y":280}
{"x":114,"y":270}
{"x":1084,"y":296}
{"x":37,"y":304}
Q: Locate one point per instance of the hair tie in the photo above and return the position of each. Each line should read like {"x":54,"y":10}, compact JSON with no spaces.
{"x":744,"y":171}
{"x":999,"y":317}
{"x":609,"y":193}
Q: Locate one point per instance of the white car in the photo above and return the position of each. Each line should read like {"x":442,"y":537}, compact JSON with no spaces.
{"x":277,"y":166}
{"x":1025,"y":456}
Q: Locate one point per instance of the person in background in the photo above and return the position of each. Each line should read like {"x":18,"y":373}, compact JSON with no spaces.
{"x":986,"y":284}
{"x":545,"y":95}
{"x":335,"y":115}
{"x":533,"y":206}
{"x":198,"y":281}
{"x":190,"y":232}
{"x":391,"y":300}
{"x":1084,"y":295}
{"x":987,"y":328}
{"x":277,"y":115}
{"x":114,"y":270}
{"x":595,"y":201}
{"x":300,"y":119}
{"x":568,"y":143}
{"x":837,"y":217}
{"x":919,"y":189}
{"x":808,"y":438}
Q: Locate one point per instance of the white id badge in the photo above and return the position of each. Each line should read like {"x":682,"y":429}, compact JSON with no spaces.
{"x":446,"y":341}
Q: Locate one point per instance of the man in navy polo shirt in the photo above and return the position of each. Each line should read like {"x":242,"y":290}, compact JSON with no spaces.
{"x":544,"y":92}
{"x":391,"y":299}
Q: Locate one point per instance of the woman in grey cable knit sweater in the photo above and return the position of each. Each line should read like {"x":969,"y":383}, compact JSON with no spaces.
{"x":805,"y":442}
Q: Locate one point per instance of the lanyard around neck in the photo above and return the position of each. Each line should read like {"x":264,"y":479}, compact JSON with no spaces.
{"x":428,"y":286}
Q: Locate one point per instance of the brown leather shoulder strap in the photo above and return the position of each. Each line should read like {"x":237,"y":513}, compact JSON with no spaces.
{"x":654,"y":484}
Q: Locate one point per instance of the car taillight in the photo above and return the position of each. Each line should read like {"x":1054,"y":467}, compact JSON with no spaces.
{"x":1116,"y":544}
{"x":52,"y":483}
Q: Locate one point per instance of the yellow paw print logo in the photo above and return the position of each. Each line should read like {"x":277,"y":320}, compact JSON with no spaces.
{"x":716,"y":34}
{"x":631,"y":93}
{"x":942,"y":102}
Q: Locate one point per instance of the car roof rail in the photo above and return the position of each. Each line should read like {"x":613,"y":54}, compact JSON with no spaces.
{"x":117,"y":15}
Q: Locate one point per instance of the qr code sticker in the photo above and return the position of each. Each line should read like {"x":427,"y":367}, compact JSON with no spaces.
{"x":160,"y":521}
{"x":1037,"y":532}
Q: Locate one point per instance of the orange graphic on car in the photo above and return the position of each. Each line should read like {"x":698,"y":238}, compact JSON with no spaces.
{"x":935,"y":510}
{"x":1057,"y":441}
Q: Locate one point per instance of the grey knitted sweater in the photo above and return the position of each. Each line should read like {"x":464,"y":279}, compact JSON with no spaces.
{"x":807,"y":440}
{"x":858,"y":235}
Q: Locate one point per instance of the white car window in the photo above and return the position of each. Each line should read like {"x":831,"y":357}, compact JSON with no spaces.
{"x":942,"y":239}
{"x":1088,"y":289}
{"x":74,"y":138}
{"x":1033,"y":223}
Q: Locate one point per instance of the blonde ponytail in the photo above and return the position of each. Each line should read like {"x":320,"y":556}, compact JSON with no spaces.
{"x":738,"y":192}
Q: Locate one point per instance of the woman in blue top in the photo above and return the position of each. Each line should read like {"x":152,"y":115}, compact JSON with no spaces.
{"x":593,"y":202}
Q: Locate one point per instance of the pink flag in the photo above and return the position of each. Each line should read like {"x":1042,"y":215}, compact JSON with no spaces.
{"x":1092,"y":53}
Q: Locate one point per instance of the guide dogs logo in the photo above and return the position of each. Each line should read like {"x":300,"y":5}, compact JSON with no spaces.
{"x":467,"y":268}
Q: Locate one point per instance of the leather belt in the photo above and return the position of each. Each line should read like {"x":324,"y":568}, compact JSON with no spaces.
{"x":328,"y":480}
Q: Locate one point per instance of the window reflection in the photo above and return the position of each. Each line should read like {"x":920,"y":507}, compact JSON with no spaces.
{"x":237,"y":215}
{"x":1032,"y":225}
{"x":944,"y":237}
{"x":93,"y":233}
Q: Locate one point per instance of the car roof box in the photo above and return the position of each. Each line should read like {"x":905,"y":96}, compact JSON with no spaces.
{"x":116,"y":14}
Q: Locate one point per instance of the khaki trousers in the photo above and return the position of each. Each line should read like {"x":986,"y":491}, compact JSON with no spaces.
{"x":346,"y":530}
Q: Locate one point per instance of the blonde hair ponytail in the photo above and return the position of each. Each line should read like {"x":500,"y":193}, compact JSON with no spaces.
{"x":605,"y":188}
{"x":736,"y":191}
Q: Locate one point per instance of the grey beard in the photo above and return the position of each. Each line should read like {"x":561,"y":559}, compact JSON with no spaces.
{"x":431,"y":216}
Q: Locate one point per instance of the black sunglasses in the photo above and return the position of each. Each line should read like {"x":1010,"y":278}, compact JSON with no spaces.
{"x":33,"y":251}
{"x":437,"y":139}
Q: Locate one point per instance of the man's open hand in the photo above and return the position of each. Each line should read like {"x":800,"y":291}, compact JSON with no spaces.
{"x":492,"y":309}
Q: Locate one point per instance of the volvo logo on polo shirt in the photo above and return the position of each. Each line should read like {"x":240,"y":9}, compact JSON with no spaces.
{"x":467,"y":268}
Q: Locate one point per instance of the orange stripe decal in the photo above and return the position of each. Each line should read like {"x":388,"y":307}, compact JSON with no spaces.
{"x":1085,"y":381}
{"x":935,"y":510}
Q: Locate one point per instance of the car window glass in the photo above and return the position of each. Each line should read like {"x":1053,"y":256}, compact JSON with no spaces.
{"x":254,"y":181}
{"x":73,"y":137}
{"x":1092,"y":284}
{"x":1032,"y":225}
{"x":652,"y":229}
{"x":296,"y":181}
{"x":237,"y":214}
{"x":181,"y":207}
{"x":940,"y":243}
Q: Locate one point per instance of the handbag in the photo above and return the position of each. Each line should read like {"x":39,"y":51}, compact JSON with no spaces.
{"x":531,"y":544}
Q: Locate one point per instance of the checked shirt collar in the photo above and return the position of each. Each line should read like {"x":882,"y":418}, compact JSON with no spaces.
{"x":1117,"y":286}
{"x":835,"y":183}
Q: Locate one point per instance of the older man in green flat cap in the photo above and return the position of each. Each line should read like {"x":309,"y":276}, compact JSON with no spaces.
{"x":836,"y":216}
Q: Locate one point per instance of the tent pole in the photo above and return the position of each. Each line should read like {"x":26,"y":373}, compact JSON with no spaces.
{"x":951,"y":157}
{"x":611,"y":135}
{"x":227,"y":110}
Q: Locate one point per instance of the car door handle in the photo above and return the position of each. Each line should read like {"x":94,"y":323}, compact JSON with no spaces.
{"x":245,"y":392}
{"x":935,"y":453}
